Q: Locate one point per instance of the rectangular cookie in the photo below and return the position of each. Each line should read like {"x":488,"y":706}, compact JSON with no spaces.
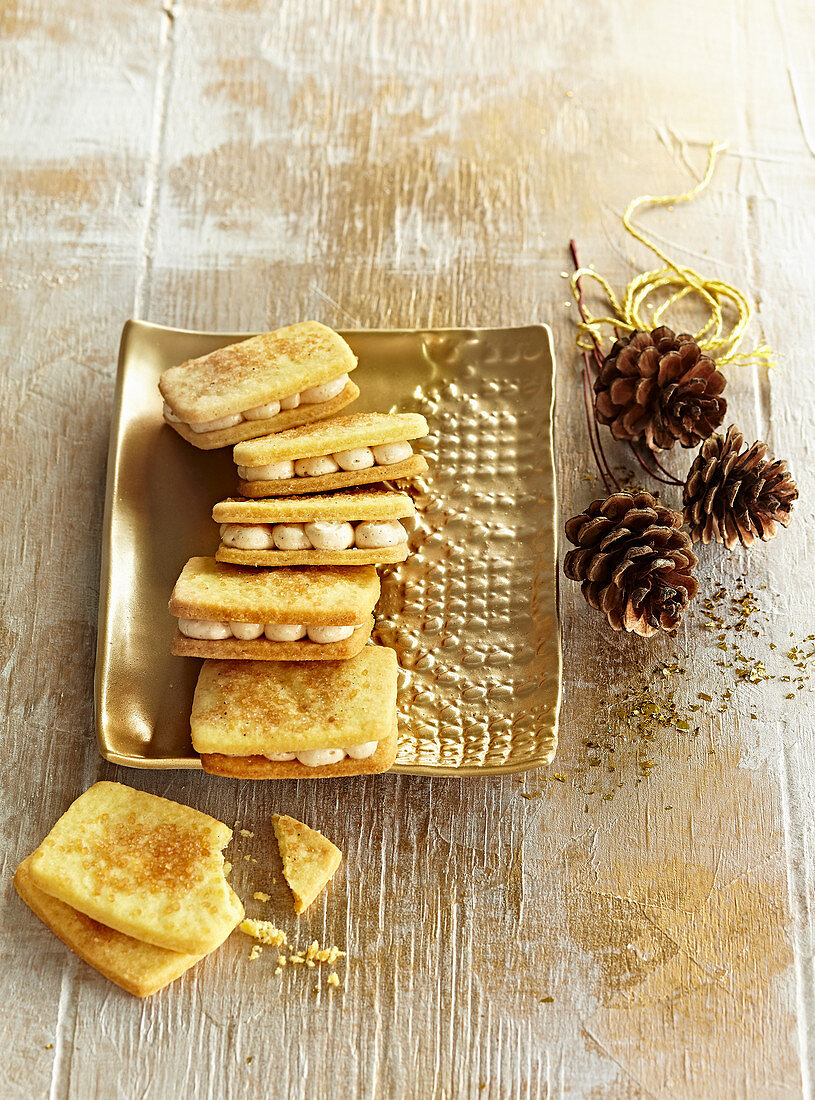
{"x":260,"y":767}
{"x":239,"y":613}
{"x":268,"y":383}
{"x":297,"y":720}
{"x":352,"y":527}
{"x":137,"y":967}
{"x":359,"y":449}
{"x":147,"y":867}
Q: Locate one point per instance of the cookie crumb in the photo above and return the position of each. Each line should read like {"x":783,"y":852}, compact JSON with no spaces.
{"x":260,"y":896}
{"x":246,"y":832}
{"x":334,"y":978}
{"x":329,"y":955}
{"x":265,"y":932}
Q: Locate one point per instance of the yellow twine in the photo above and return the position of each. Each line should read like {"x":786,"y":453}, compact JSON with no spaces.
{"x":717,"y":337}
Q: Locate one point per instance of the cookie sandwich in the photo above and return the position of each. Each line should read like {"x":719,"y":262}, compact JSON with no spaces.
{"x":268,"y":383}
{"x":223,"y":610}
{"x":352,"y":527}
{"x":293,"y":720}
{"x":359,"y":449}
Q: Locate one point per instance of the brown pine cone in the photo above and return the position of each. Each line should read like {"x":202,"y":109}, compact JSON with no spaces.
{"x":734,"y":498}
{"x":634,"y":563}
{"x":657,"y":388}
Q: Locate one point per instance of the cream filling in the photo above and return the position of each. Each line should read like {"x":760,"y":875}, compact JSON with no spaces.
{"x":357,"y":458}
{"x":314,"y":395}
{"x":320,"y":758}
{"x":318,"y":535}
{"x":211,"y":631}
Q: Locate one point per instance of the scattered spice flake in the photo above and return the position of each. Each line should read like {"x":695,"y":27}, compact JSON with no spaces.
{"x":546,"y":1000}
{"x":645,"y":709}
{"x":260,"y":896}
{"x":739,"y":614}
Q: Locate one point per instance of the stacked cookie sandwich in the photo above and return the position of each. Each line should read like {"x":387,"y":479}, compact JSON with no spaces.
{"x":320,"y":614}
{"x":346,"y":528}
{"x":360,"y":449}
{"x":291,"y":685}
{"x":293,"y":376}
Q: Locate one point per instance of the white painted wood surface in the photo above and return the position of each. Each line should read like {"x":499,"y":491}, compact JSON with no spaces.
{"x":238,"y":165}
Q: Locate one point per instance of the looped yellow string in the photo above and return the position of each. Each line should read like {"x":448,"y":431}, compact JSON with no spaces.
{"x":717,"y":337}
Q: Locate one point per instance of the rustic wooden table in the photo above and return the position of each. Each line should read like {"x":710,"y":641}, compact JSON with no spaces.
{"x":644,"y":931}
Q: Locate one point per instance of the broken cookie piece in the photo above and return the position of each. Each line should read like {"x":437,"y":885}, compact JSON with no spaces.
{"x":309,"y":859}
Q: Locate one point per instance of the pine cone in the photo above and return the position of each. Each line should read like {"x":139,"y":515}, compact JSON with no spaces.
{"x":731,"y":497}
{"x":635,"y":564}
{"x":657,"y":387}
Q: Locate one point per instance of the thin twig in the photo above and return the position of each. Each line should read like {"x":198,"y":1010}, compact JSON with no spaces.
{"x":648,"y":470}
{"x":600,"y":459}
{"x":594,"y":435}
{"x":673,"y":477}
{"x":598,"y":353}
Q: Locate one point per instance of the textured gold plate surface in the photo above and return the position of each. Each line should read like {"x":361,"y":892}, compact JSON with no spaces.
{"x":472,"y":613}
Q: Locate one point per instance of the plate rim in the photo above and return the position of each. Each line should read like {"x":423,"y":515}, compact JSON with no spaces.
{"x":101,"y":661}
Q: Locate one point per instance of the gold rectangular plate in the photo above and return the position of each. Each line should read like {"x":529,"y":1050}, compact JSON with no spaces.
{"x":472,"y":614}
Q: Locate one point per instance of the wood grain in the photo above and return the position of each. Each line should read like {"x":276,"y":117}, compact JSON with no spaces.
{"x":239,"y":165}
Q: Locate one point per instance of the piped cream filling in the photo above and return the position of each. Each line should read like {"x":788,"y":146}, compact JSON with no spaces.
{"x":318,"y":535}
{"x":320,"y":758}
{"x":313,"y":395}
{"x":357,"y":458}
{"x":211,"y":630}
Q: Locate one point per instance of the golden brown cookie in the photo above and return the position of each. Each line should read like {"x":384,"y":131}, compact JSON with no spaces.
{"x":137,"y":967}
{"x":225,"y":595}
{"x":253,"y":373}
{"x":145,"y":866}
{"x":258,"y":767}
{"x":349,"y":506}
{"x":340,"y":433}
{"x":309,"y":859}
{"x":253,"y":709}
